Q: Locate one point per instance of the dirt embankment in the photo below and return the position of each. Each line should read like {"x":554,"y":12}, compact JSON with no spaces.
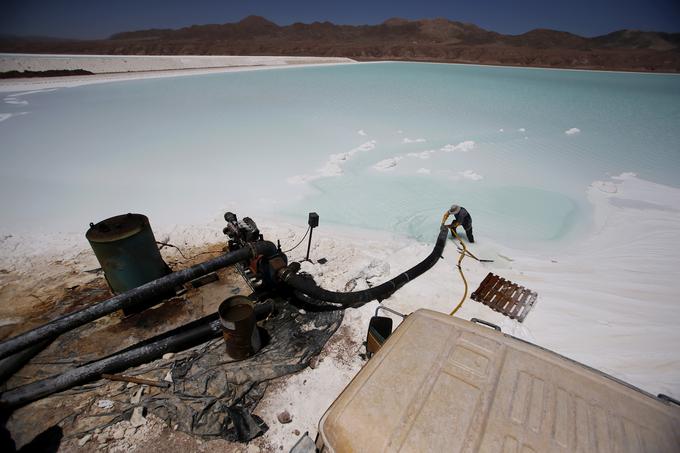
{"x":437,"y":40}
{"x":50,"y":73}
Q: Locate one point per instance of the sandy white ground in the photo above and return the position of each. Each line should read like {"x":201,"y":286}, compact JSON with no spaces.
{"x":108,"y":68}
{"x":609,"y":301}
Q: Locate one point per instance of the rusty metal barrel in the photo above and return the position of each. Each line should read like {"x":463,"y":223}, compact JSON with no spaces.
{"x":127,"y":252}
{"x":239,"y":328}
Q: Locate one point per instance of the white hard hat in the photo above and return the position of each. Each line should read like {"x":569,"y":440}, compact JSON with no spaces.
{"x":455,"y":209}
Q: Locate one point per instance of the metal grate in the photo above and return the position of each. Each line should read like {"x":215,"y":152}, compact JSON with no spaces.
{"x":505,"y":297}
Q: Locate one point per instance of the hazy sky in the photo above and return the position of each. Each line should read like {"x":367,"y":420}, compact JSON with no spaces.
{"x":99,"y":18}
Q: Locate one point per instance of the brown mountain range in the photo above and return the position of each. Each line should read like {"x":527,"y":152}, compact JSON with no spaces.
{"x":439,"y":40}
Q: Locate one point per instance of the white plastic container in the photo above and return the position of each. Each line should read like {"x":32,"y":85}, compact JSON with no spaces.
{"x":441,"y":384}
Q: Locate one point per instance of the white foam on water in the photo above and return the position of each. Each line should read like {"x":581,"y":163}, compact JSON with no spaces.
{"x":471,"y":175}
{"x":361,"y":132}
{"x":413,"y":140}
{"x":6,"y":116}
{"x":333,"y":167}
{"x":26,"y":93}
{"x":465,"y":146}
{"x":15,"y":101}
{"x":573,"y":131}
{"x":388,"y":164}
{"x":423,"y":171}
{"x":521,"y":129}
{"x":423,"y":154}
{"x":12,"y":100}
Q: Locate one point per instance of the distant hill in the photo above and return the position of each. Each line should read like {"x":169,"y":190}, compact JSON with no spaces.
{"x":395,"y":39}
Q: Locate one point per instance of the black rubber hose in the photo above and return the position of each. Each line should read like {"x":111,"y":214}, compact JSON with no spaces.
{"x":155,"y":289}
{"x":308,"y":287}
{"x":176,"y":340}
{"x":35,"y":390}
{"x":13,"y":363}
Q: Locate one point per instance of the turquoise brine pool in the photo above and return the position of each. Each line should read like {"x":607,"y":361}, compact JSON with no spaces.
{"x":385,"y":146}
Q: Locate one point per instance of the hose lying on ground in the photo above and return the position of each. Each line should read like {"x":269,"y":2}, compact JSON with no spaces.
{"x":460,"y":269}
{"x":13,"y":363}
{"x":308,"y":287}
{"x":156,"y":289}
{"x":176,"y":340}
{"x":470,"y":254}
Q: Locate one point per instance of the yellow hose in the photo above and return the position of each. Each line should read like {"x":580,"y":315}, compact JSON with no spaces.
{"x":460,"y":260}
{"x":460,"y":269}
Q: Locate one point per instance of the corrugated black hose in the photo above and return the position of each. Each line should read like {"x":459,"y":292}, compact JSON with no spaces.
{"x":381,"y":292}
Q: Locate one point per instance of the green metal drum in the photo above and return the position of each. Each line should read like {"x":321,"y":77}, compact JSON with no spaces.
{"x":127,"y":252}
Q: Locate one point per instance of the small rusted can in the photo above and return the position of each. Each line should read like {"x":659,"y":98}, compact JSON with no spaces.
{"x":239,"y":328}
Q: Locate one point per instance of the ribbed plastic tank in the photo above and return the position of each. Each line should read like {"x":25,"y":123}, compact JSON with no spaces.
{"x":127,"y":252}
